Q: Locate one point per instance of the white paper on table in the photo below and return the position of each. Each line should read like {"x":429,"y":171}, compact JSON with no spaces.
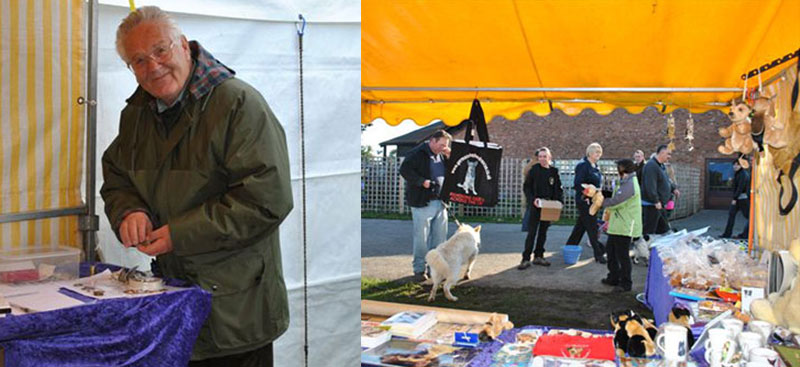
{"x":47,"y":300}
{"x":111,"y":287}
{"x":749,"y":294}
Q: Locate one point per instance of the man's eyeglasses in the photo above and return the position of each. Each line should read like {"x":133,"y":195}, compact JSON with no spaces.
{"x":160,"y":54}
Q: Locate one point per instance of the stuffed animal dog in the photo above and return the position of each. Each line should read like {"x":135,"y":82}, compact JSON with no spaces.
{"x":737,"y":135}
{"x":766,"y":127}
{"x":597,"y":197}
{"x":632,"y":334}
{"x":445,"y":260}
{"x":494,"y":327}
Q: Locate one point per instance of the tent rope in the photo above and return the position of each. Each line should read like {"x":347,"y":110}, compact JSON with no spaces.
{"x":300,"y":32}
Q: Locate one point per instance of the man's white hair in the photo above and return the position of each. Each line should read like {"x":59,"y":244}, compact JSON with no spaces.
{"x":145,"y":14}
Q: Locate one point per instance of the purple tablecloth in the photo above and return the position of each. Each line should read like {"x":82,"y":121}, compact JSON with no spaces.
{"x":157,"y":330}
{"x":657,"y":289}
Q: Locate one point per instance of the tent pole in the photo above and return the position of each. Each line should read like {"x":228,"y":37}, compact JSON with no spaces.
{"x":89,"y":222}
{"x":752,"y":220}
{"x":581,"y":90}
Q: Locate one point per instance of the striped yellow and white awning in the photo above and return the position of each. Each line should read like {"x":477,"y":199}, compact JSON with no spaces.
{"x":42,"y":74}
{"x":775,"y":231}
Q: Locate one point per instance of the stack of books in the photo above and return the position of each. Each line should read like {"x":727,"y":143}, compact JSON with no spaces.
{"x":373,"y":335}
{"x":410,"y":324}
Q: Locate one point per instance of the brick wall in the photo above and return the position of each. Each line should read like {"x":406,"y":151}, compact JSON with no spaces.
{"x":620,"y":133}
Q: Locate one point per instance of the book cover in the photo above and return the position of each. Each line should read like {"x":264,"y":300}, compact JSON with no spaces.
{"x":372,"y":334}
{"x":410,"y":324}
{"x":405,"y":353}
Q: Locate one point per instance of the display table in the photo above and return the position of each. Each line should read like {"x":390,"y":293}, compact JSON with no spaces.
{"x":147,"y":331}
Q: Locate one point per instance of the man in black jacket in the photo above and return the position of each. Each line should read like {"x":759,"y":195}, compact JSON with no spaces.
{"x":423,"y":169}
{"x":741,"y":200}
{"x":656,"y":191}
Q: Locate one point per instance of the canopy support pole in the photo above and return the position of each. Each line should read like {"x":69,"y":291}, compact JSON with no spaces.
{"x":581,"y":90}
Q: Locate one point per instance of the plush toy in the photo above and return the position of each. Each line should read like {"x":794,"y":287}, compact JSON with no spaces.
{"x":631,"y":336}
{"x":640,"y":344}
{"x":597,"y":197}
{"x":494,"y":327}
{"x":782,"y":309}
{"x":766,"y":127}
{"x":683,"y":317}
{"x":737,"y":135}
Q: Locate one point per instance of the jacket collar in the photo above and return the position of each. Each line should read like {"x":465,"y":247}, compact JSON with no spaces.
{"x":207,"y":74}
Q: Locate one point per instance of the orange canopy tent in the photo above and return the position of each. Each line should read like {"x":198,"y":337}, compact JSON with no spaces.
{"x":426,"y":60}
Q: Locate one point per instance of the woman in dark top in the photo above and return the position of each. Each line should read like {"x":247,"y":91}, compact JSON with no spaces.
{"x":542,"y":182}
{"x":586,"y":172}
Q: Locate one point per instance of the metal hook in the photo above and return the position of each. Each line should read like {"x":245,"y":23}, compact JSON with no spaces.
{"x":301,"y":29}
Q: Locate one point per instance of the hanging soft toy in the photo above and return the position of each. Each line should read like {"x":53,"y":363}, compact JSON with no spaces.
{"x":737,"y":135}
{"x":671,"y":132}
{"x":766,"y":127}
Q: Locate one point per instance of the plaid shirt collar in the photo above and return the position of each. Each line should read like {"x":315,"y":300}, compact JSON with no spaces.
{"x":208,"y":73}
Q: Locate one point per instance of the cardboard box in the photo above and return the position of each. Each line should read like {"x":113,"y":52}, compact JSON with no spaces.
{"x":551,"y":210}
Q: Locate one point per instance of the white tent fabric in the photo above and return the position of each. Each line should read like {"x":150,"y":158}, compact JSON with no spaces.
{"x":259,"y":41}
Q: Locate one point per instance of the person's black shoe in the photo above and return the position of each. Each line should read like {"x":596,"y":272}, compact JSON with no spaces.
{"x":741,"y":236}
{"x":608,"y":282}
{"x":524,"y":265}
{"x":420,"y":277}
{"x":540,"y":261}
{"x":621,"y":289}
{"x":601,"y":260}
{"x":725,"y":235}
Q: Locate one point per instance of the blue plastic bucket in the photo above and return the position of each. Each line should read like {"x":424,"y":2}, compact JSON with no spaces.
{"x":571,"y":254}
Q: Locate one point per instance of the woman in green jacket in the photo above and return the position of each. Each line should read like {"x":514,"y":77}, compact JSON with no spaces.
{"x":625,"y":223}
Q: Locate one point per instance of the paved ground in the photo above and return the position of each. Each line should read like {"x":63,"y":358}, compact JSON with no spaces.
{"x":386,"y":249}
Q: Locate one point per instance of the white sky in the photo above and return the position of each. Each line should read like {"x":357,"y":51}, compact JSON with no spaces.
{"x":381,"y":131}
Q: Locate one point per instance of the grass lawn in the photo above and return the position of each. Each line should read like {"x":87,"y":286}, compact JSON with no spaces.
{"x":524,"y":306}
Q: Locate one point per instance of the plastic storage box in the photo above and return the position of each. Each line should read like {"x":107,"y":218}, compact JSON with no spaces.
{"x":571,"y":254}
{"x":39,"y":264}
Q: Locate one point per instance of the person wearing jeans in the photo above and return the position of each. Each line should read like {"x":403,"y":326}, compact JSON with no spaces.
{"x":625,"y":223}
{"x":423,"y":169}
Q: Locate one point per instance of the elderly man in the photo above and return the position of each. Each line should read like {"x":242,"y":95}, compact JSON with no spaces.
{"x":656,"y":191}
{"x":423,"y":169}
{"x":199,"y":177}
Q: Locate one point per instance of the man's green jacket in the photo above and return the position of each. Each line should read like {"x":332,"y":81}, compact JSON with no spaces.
{"x":220,"y":179}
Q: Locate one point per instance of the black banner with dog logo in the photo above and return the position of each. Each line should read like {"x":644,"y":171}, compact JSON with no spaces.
{"x":473,"y":169}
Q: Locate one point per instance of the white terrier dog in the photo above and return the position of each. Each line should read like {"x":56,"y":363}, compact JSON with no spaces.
{"x":641,"y":250}
{"x":446,"y":259}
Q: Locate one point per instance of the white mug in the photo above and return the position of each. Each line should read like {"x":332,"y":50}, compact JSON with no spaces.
{"x":764,"y":355}
{"x":762,"y":327}
{"x":720,"y":348}
{"x":734,"y":327}
{"x":671,"y":342}
{"x":749,"y":340}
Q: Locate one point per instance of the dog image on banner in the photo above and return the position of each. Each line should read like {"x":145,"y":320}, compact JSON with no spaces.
{"x":447,"y":259}
{"x":469,"y":179}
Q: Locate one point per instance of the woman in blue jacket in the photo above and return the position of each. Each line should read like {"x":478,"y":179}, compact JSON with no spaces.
{"x":587,"y":172}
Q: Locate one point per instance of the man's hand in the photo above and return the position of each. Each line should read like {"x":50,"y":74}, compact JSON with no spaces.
{"x":676,"y":193}
{"x":446,"y":152}
{"x":659,"y":206}
{"x":733,"y":202}
{"x":135,"y":228}
{"x":159,"y":240}
{"x":426,"y":184}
